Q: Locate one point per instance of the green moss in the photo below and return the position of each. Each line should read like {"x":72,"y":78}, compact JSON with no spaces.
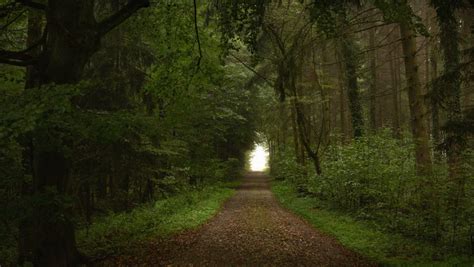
{"x":382,"y":247}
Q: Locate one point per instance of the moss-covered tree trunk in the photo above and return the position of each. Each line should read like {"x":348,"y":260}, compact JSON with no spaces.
{"x":449,"y":42}
{"x":350,"y":59}
{"x":342,"y":99}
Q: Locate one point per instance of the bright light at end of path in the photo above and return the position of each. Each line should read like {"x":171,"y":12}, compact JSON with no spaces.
{"x":258,"y":159}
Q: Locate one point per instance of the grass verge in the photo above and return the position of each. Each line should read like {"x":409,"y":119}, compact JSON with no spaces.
{"x":385,"y":248}
{"x":123,"y":232}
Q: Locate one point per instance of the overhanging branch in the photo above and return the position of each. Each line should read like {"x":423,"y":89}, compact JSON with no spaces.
{"x":20,"y":63}
{"x":32,"y":4}
{"x":123,"y":14}
{"x":13,"y":55}
{"x":21,"y":58}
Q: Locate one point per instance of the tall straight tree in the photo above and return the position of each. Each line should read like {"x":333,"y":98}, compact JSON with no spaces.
{"x":416,"y":100}
{"x":451,"y":86}
{"x":451,"y":80}
{"x":348,"y":48}
{"x":373,"y":80}
{"x":322,"y":12}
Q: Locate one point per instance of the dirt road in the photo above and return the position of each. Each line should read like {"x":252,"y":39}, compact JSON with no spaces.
{"x":252,"y":229}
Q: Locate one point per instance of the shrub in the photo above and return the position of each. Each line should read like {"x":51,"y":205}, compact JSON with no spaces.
{"x":283,"y":166}
{"x":373,"y":178}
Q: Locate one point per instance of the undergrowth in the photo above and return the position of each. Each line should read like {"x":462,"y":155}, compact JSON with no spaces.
{"x":362,"y":237}
{"x":122,"y":232}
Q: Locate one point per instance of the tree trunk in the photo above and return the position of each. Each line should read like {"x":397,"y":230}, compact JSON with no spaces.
{"x":321,"y":81}
{"x":435,"y":126}
{"x":73,"y":36}
{"x":34,"y":33}
{"x":449,"y":35}
{"x":353,"y":93}
{"x":416,"y":101}
{"x":395,"y":105}
{"x":342,"y":102}
{"x":303,"y":129}
{"x":296,"y":143}
{"x":313,"y":154}
{"x":398,"y":73}
{"x":373,"y":81}
{"x":68,"y":48}
{"x":467,"y":37}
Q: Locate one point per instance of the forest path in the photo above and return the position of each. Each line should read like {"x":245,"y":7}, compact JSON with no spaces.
{"x":251,"y":229}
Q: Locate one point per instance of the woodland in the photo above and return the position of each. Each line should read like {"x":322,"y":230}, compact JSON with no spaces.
{"x":126,"y":120}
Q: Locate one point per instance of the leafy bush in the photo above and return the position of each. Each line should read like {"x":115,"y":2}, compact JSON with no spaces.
{"x":284,"y":167}
{"x":369,"y":174}
{"x":373,"y":178}
{"x":390,"y":249}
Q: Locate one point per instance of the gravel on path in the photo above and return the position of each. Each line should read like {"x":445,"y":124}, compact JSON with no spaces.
{"x":252,"y":229}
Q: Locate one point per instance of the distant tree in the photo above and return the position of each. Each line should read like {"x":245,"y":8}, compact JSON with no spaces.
{"x":409,"y":25}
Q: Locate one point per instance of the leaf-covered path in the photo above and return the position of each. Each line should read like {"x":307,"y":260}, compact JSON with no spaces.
{"x":251,"y":229}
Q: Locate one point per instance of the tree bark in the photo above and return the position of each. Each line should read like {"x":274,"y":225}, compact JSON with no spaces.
{"x":34,"y":33}
{"x":313,"y":154}
{"x":373,"y":81}
{"x":467,"y":37}
{"x":449,"y":35}
{"x":416,"y":101}
{"x":395,"y":105}
{"x":353,"y":93}
{"x":435,"y":125}
{"x":296,"y":143}
{"x":342,"y":102}
{"x":73,"y":36}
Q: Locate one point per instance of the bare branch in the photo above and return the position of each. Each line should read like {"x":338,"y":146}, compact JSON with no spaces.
{"x":14,"y":55}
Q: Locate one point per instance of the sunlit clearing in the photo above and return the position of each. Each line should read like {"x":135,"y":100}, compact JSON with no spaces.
{"x":258,"y":159}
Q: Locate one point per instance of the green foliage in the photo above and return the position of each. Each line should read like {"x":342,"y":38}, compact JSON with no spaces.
{"x":385,"y":248}
{"x":120,"y":233}
{"x":373,"y":179}
{"x":370,"y":171}
{"x":326,"y":12}
{"x":400,"y":11}
{"x":240,"y":20}
{"x":145,"y":123}
{"x":284,"y":167}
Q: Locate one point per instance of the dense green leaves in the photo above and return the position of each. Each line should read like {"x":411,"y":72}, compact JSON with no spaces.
{"x":146,"y":122}
{"x":374,"y":180}
{"x":169,"y":102}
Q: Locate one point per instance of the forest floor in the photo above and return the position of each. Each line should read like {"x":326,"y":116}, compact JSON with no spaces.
{"x":251,"y":229}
